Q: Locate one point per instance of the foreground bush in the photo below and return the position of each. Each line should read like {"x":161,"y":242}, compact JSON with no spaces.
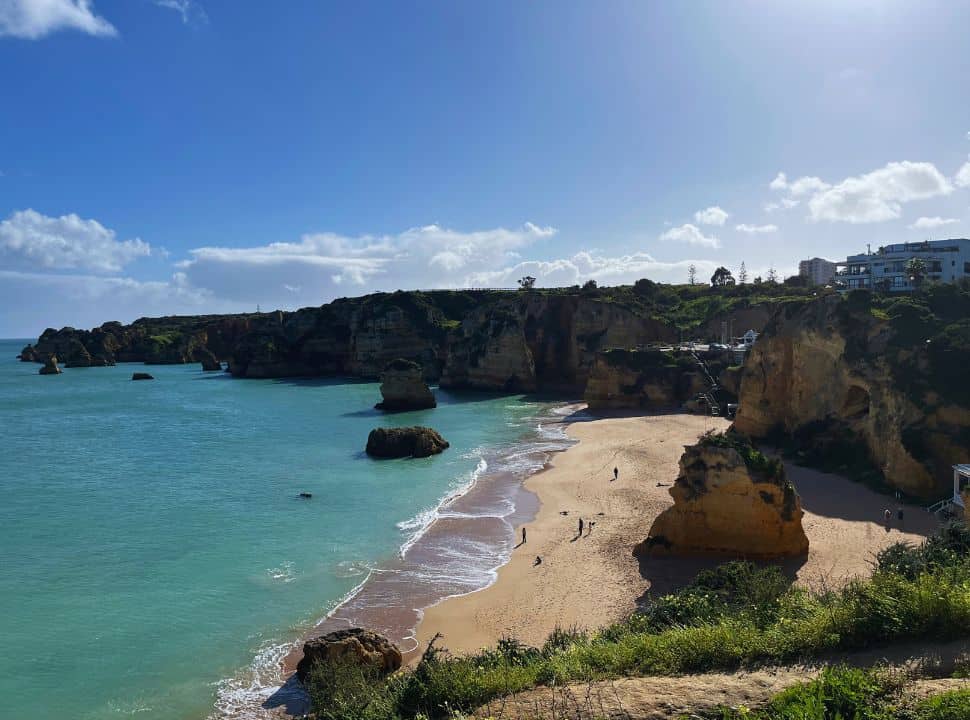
{"x":736,"y":616}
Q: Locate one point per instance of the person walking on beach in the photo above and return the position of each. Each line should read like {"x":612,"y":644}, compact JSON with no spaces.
{"x":580,"y":527}
{"x":523,"y":535}
{"x":616,"y":473}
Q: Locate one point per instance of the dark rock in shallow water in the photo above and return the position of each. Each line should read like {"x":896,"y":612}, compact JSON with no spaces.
{"x":208,"y":359}
{"x":50,"y":367}
{"x":403,"y":388}
{"x":405,"y":442}
{"x":29,"y":354}
{"x":141,"y":376}
{"x":356,"y":645}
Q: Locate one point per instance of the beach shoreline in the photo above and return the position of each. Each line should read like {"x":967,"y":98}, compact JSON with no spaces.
{"x":589,"y":582}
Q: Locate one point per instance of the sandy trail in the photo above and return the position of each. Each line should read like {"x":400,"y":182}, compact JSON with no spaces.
{"x":658,"y":698}
{"x":594,"y":580}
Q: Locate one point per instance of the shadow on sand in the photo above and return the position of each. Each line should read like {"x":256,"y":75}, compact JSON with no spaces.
{"x":669,"y":573}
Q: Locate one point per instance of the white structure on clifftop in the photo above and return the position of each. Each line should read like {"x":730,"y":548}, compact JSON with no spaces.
{"x":946,"y":261}
{"x":819,"y":271}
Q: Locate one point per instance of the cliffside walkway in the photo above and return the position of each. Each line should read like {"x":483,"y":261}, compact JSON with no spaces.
{"x":663,"y":697}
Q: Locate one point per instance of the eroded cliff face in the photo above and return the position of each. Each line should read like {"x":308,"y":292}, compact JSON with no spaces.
{"x":721,"y":507}
{"x":642,"y":379}
{"x":824,"y":367}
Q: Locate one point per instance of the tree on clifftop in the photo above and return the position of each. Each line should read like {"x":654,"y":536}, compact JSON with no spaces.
{"x":721,"y":277}
{"x":527,"y":283}
{"x":743,"y":274}
{"x":916,"y":269}
{"x":692,"y":274}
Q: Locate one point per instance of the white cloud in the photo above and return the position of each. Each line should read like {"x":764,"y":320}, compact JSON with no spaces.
{"x":711,"y":216}
{"x":691,"y":235}
{"x":962,"y":178}
{"x":45,"y":299}
{"x":872,"y":197}
{"x":752,"y":229}
{"x":191,"y":12}
{"x":316,"y":266}
{"x":585,"y":266}
{"x":32,"y":19}
{"x":925,"y":223}
{"x":32,"y":241}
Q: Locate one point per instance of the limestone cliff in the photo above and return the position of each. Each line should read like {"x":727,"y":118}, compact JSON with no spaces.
{"x":495,"y":340}
{"x":647,"y":379}
{"x":725,"y":505}
{"x":835,"y":367}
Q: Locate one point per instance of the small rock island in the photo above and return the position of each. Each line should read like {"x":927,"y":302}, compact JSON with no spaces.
{"x":404,"y":442}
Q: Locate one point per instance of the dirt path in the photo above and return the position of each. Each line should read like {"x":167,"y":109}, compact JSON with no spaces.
{"x":659,"y":698}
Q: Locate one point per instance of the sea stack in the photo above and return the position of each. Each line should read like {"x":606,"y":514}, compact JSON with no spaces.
{"x":403,"y":388}
{"x":403,"y":442}
{"x":50,"y":366}
{"x":729,"y":500}
{"x":141,"y":376}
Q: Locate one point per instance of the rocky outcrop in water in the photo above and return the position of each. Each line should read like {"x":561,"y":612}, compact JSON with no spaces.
{"x":404,"y":442}
{"x":846,"y":381}
{"x":355,"y":646}
{"x":208,"y":359}
{"x":403,"y":388}
{"x":50,"y":366}
{"x":141,"y":376}
{"x":725,"y":505}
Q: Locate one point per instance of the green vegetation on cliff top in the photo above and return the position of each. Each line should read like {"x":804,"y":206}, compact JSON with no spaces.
{"x":736,"y":616}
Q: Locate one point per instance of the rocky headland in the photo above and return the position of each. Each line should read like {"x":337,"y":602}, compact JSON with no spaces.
{"x":870,"y":379}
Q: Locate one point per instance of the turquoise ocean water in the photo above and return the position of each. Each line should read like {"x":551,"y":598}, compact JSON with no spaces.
{"x":156,"y":562}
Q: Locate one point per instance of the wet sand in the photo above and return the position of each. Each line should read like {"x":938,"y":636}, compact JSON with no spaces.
{"x":593,"y":580}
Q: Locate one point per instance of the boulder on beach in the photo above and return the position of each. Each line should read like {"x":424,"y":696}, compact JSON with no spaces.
{"x":729,"y":500}
{"x":405,"y":442}
{"x":50,"y":366}
{"x":403,"y":387}
{"x":141,"y":376}
{"x":356,"y":645}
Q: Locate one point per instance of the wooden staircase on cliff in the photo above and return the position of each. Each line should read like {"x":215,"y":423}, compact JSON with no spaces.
{"x":710,"y":396}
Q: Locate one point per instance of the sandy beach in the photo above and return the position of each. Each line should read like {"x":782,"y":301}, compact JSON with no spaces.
{"x":593,"y":580}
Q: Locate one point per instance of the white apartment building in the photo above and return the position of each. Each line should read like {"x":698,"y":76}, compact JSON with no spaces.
{"x":819,"y":271}
{"x":946,"y":261}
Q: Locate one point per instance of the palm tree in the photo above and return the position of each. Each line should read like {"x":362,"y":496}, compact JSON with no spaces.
{"x":916,"y":269}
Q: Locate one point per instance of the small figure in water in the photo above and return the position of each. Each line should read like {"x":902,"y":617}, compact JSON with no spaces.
{"x":538,"y":561}
{"x":523,"y":535}
{"x":580,"y":527}
{"x":616,"y":473}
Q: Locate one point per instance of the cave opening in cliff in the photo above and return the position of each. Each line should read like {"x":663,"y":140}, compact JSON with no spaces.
{"x":856,"y":403}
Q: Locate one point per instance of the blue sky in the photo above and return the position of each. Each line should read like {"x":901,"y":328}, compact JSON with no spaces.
{"x":167,"y":156}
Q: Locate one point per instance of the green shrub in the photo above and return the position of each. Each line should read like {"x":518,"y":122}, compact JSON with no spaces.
{"x":952,"y":705}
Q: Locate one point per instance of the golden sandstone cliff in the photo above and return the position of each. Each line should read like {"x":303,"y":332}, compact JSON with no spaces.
{"x":836,"y":376}
{"x":725,"y":504}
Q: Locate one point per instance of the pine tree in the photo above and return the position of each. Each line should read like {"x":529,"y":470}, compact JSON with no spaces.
{"x":692,"y":274}
{"x":743,"y":274}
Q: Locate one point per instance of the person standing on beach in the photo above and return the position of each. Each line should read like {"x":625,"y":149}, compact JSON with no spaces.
{"x":616,"y":473}
{"x":580,"y":527}
{"x":523,"y":535}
